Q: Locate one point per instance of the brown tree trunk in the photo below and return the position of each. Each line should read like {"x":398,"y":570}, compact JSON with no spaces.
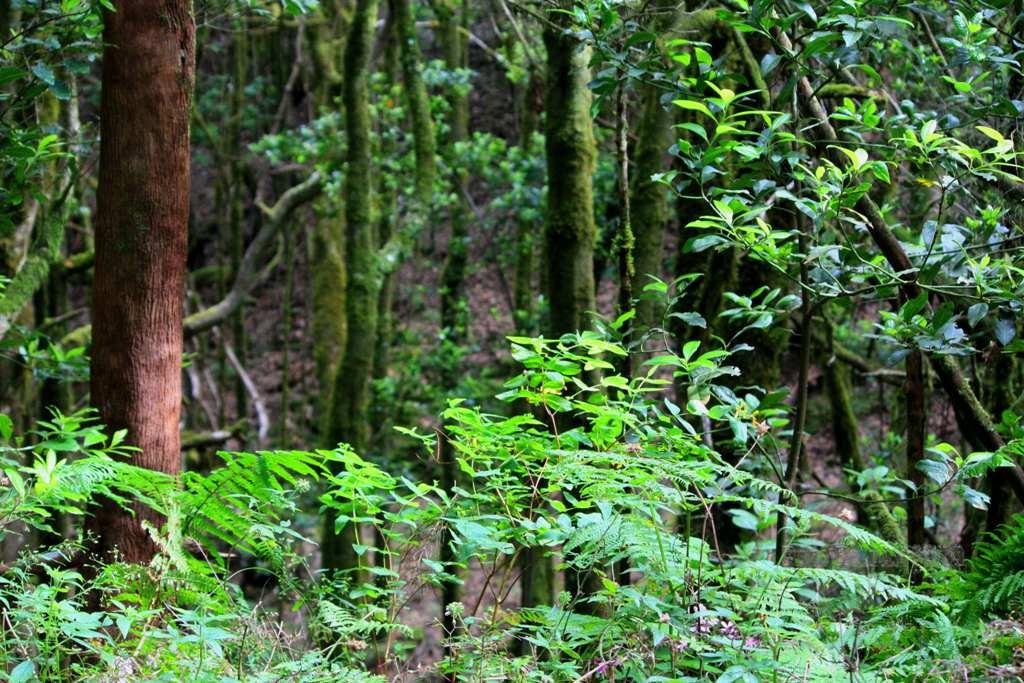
{"x":141,"y":235}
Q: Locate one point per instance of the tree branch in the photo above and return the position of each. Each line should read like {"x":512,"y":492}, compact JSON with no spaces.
{"x":249,"y":272}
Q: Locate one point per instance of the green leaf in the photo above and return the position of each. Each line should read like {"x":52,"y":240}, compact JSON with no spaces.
{"x":44,"y":73}
{"x":936,"y":471}
{"x":656,"y":286}
{"x":691,"y":318}
{"x":672,"y":407}
{"x":744,"y":519}
{"x":976,"y":313}
{"x":68,"y":444}
{"x":1005,"y":331}
{"x":914,"y":306}
{"x":11,"y":73}
{"x":25,"y":671}
{"x":858,"y":157}
{"x":695,"y":407}
{"x":617,"y":381}
{"x":692,"y":105}
{"x":695,"y":128}
{"x":6,"y":427}
{"x":991,"y":132}
{"x":700,"y":244}
{"x":623,"y":318}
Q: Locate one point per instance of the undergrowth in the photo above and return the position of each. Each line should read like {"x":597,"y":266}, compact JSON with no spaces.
{"x":603,"y":474}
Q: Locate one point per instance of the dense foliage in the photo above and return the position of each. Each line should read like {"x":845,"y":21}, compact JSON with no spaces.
{"x":551,"y":340}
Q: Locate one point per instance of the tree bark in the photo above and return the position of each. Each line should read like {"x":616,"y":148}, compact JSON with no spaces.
{"x":650,"y":198}
{"x":424,"y":145}
{"x":141,"y":235}
{"x":571,"y":156}
{"x":569,"y":234}
{"x":349,"y":417}
{"x":916,"y":427}
{"x":452,"y":17}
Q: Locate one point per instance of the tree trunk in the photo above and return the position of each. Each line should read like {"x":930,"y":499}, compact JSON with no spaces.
{"x":328,"y":279}
{"x":916,"y":428}
{"x":415,"y":89}
{"x":650,"y":198}
{"x":349,"y":418}
{"x":524,"y":295}
{"x":141,"y":235}
{"x":452,"y":16}
{"x":236,"y":194}
{"x":569,"y":231}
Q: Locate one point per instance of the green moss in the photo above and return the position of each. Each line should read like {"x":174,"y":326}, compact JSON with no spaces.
{"x":649,"y":198}
{"x":570,"y":230}
{"x":881,"y":519}
{"x":845,"y":427}
{"x":34,"y":272}
{"x":418,"y":101}
{"x":348,"y":419}
{"x":328,"y":284}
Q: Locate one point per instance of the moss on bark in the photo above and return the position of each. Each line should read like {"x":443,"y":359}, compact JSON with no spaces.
{"x":453,"y":16}
{"x":649,"y":201}
{"x":417,"y":99}
{"x":349,"y":414}
{"x":570,"y":230}
{"x":327,"y":240}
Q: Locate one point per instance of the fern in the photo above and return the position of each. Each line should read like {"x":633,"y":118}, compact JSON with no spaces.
{"x":243,"y":502}
{"x":993,"y":583}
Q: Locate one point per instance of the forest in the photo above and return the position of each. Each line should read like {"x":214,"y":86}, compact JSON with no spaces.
{"x":511,"y":340}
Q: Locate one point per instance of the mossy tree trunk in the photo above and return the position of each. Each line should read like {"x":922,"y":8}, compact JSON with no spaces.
{"x":417,"y":99}
{"x":569,"y":230}
{"x":649,"y":201}
{"x":327,"y":242}
{"x":349,"y":414}
{"x":452,"y":18}
{"x":387,"y":218}
{"x":846,"y":438}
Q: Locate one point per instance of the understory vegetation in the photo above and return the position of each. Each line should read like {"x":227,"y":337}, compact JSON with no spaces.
{"x":525,"y":340}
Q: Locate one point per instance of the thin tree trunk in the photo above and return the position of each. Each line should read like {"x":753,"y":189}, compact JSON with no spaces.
{"x":915,"y":446}
{"x":624,"y":240}
{"x":237,"y":189}
{"x":141,"y":235}
{"x":424,"y":145}
{"x":524,"y":294}
{"x":453,"y":16}
{"x":796,"y":440}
